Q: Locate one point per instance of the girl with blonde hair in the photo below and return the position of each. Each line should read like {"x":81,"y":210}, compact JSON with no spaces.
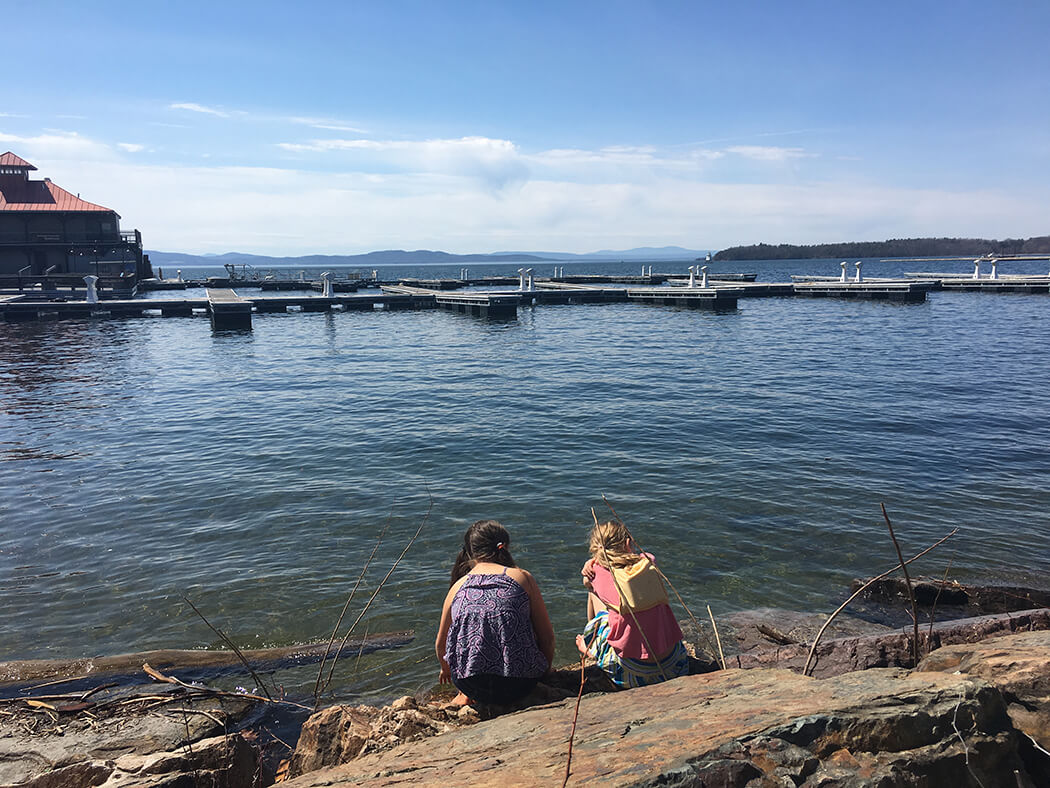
{"x":631,"y":630}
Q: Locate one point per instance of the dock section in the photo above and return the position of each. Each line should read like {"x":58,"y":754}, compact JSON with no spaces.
{"x":228,"y":310}
{"x":692,"y":297}
{"x":908,"y":292}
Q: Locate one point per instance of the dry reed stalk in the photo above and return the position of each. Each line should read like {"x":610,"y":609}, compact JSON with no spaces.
{"x":379,"y":588}
{"x":859,"y":591}
{"x":911,"y":591}
{"x":237,"y":651}
{"x":721,"y":654}
{"x":575,"y":717}
{"x":666,"y":579}
{"x":936,"y":599}
{"x":339,"y":621}
{"x":630,"y":609}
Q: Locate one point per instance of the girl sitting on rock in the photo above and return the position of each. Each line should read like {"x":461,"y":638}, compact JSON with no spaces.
{"x":636,"y":642}
{"x":495,"y":639}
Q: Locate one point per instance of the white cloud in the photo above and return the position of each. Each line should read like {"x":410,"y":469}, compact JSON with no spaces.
{"x":131,"y":147}
{"x":439,"y":194}
{"x":326,"y":124}
{"x":57,"y":146}
{"x":769,"y":153}
{"x":190,"y":106}
{"x":494,"y":162}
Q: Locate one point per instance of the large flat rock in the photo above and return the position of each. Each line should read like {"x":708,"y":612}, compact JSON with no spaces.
{"x":1018,"y":666}
{"x":726,"y":729}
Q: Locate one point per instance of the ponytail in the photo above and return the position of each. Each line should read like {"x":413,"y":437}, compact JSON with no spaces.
{"x":485,"y":540}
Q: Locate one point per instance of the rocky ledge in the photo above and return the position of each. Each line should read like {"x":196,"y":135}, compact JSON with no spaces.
{"x":970,"y":715}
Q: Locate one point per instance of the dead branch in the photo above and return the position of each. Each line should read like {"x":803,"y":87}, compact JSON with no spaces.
{"x":339,"y":621}
{"x":232,"y":645}
{"x":775,"y":635}
{"x":379,"y":588}
{"x":859,"y":591}
{"x":575,"y":717}
{"x":937,"y":598}
{"x":911,"y":591}
{"x":721,"y":655}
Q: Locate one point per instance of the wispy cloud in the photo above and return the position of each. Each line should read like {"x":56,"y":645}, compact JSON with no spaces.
{"x":131,"y":147}
{"x":326,"y":124}
{"x":190,"y":106}
{"x":769,"y":153}
{"x":497,"y":163}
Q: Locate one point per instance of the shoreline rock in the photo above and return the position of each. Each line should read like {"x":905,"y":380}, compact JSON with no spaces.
{"x":732,"y":728}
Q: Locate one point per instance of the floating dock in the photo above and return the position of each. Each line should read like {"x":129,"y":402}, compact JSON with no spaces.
{"x":693,"y":297}
{"x":228,"y":306}
{"x":910,"y":292}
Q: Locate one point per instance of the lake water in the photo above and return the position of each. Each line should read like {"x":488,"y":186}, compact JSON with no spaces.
{"x":146,"y":459}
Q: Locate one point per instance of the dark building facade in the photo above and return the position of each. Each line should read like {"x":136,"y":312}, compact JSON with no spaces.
{"x":47,"y":232}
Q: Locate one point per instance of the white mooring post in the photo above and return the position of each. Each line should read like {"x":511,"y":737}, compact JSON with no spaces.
{"x":995,"y":269}
{"x":858,"y":277}
{"x":842,"y":278}
{"x":178,"y":274}
{"x":521,"y":279}
{"x":326,"y":284}
{"x":692,"y":276}
{"x":650,"y":270}
{"x":977,"y":269}
{"x":529,"y":272}
{"x":703,"y":270}
{"x":92,"y":289}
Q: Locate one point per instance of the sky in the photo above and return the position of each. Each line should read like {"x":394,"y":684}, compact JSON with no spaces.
{"x":345,"y":127}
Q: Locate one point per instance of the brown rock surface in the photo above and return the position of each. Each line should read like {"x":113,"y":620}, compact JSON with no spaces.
{"x":70,"y":752}
{"x":1018,"y":665}
{"x":844,"y":655}
{"x":732,"y":728}
{"x":342,"y":733}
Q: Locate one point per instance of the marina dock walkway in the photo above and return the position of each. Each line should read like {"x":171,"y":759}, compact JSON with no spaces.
{"x":232,"y":308}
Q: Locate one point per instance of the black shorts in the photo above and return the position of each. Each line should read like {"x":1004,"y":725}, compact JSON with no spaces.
{"x":497,"y":690}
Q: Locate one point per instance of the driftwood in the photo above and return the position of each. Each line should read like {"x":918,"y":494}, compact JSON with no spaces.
{"x":194,"y":663}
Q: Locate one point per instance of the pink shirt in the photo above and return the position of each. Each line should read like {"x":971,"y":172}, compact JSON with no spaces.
{"x":658,"y":623}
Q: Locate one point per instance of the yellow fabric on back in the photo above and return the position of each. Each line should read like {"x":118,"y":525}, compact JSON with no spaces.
{"x":639,"y":585}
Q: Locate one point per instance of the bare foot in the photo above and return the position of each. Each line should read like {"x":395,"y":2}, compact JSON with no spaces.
{"x":461,"y":700}
{"x":581,"y":646}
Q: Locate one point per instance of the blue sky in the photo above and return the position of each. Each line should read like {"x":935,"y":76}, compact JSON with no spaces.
{"x":343,"y":127}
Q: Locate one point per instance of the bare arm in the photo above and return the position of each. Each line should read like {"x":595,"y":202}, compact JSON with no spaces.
{"x":442,"y":636}
{"x":541,"y":620}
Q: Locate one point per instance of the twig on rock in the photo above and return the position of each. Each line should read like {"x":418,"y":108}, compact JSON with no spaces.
{"x":859,"y":591}
{"x":721,"y":655}
{"x":911,"y":591}
{"x":575,"y":717}
{"x":966,"y":750}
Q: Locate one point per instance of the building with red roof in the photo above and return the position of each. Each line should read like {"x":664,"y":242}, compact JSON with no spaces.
{"x":46,"y":231}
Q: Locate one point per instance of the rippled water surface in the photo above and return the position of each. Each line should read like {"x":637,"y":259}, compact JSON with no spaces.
{"x":146,"y":459}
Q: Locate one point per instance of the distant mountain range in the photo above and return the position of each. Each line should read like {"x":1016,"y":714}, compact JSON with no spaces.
{"x":420,"y":257}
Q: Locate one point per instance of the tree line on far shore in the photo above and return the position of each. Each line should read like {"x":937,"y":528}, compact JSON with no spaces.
{"x":897,"y":247}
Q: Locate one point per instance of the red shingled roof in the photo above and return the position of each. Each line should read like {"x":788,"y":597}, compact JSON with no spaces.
{"x":22,"y":195}
{"x":10,"y":160}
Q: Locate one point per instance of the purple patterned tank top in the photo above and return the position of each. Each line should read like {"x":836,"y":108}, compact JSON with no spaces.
{"x":491,"y":631}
